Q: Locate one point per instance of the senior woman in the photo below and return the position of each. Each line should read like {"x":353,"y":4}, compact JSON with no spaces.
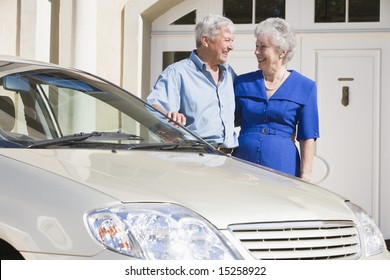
{"x":275,"y":106}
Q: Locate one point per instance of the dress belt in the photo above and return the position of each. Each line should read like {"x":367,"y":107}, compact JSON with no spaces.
{"x":267,"y":131}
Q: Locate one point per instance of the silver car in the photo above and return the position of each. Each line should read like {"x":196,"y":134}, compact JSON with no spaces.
{"x":90,"y":171}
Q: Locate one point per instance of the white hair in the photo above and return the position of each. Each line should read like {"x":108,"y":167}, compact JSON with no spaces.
{"x":210,"y":25}
{"x":280,"y":33}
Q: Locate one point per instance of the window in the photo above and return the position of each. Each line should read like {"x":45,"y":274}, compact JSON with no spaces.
{"x":364,"y":11}
{"x":269,"y":8}
{"x":238,"y":11}
{"x":171,"y":57}
{"x":347,"y":11}
{"x":189,"y":18}
{"x":253,"y":11}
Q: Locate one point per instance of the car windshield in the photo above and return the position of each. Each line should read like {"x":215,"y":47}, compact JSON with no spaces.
{"x":45,"y":107}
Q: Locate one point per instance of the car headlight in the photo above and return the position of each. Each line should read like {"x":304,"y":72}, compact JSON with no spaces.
{"x":158,"y":231}
{"x":370,"y":233}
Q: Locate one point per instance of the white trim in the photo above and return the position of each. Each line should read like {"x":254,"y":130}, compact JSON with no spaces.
{"x":161,"y":44}
{"x":306,"y":22}
{"x":162,"y":23}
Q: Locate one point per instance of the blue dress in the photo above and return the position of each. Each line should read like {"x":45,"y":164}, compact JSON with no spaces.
{"x":267,"y":125}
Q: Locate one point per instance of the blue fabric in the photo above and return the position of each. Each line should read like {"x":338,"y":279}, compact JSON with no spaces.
{"x":267,"y":125}
{"x":187,"y":87}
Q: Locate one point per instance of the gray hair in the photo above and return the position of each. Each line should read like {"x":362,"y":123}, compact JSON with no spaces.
{"x":209,"y":27}
{"x":281,"y":35}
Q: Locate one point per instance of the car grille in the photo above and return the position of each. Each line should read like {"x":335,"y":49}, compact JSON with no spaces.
{"x":313,"y":240}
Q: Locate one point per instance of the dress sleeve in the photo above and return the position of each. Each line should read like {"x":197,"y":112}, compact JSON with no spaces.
{"x":308,"y":120}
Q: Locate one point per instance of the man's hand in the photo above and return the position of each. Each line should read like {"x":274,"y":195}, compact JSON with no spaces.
{"x":177,"y":117}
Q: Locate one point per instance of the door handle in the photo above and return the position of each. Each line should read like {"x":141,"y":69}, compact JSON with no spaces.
{"x":345,"y":96}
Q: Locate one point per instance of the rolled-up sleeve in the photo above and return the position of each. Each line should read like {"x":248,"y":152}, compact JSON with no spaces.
{"x":166,"y":91}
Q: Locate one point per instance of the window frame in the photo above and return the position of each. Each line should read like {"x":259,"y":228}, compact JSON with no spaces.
{"x":300,"y":13}
{"x":307,"y":23}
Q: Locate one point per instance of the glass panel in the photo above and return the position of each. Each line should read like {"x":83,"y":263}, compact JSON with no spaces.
{"x":171,"y":57}
{"x":239,"y":11}
{"x":189,"y":18}
{"x":364,"y":11}
{"x":270,"y":8}
{"x":83,"y":104}
{"x":330,"y":11}
{"x":12,"y":118}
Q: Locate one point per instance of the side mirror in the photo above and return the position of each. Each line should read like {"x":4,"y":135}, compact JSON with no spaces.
{"x":16,"y":83}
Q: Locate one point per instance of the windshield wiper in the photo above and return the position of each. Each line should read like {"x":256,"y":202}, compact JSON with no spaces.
{"x":184,"y":144}
{"x":77,"y":137}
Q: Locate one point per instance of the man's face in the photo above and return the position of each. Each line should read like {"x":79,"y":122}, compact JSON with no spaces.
{"x":220,"y":45}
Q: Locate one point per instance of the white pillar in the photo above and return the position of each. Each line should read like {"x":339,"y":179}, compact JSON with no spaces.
{"x":34,"y":30}
{"x":66,"y":36}
{"x":27,"y":29}
{"x":42,"y":35}
{"x":85,"y":31}
{"x":77,"y":48}
{"x":8,"y":28}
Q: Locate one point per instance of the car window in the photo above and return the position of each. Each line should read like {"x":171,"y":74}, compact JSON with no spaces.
{"x":50,"y":103}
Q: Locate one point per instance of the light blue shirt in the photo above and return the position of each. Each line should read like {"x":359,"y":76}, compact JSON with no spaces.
{"x":188,"y":87}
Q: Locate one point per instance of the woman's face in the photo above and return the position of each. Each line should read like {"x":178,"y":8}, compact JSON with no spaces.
{"x":268,"y":56}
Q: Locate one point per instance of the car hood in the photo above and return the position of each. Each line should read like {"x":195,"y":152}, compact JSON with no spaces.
{"x":222,"y":189}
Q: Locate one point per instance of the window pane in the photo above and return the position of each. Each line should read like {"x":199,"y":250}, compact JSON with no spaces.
{"x":330,"y":11}
{"x":239,"y":11}
{"x":171,"y":57}
{"x":270,"y":8}
{"x":363,"y":10}
{"x":187,"y":19}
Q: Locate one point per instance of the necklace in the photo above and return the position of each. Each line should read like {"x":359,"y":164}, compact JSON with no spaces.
{"x":278,"y":85}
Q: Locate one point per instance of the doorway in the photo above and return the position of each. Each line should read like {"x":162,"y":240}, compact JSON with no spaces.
{"x":347,"y":156}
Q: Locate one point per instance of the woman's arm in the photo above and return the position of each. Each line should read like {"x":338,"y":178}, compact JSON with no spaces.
{"x":307,"y":155}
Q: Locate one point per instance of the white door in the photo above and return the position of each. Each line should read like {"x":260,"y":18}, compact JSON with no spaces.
{"x":347,"y":153}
